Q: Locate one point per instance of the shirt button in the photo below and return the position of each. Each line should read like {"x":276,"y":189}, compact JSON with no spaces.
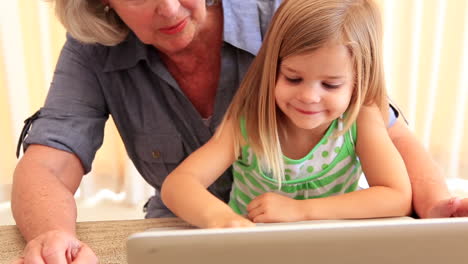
{"x":156,"y":154}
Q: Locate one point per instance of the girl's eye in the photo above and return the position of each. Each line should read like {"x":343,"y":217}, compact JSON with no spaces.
{"x":293,"y":80}
{"x":331,"y":86}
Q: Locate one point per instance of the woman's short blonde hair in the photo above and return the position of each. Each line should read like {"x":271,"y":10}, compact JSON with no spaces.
{"x":299,"y":27}
{"x":88,"y":22}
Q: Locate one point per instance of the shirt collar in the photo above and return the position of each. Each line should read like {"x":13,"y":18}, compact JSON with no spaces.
{"x":241,"y":30}
{"x":126,"y":54}
{"x":242,"y":25}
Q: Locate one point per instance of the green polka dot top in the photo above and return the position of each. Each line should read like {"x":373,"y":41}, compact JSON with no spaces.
{"x":330,"y":168}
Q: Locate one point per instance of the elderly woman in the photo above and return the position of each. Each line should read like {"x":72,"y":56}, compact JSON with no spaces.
{"x":166,"y":71}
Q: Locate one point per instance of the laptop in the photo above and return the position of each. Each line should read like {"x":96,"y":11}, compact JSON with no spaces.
{"x":386,"y":240}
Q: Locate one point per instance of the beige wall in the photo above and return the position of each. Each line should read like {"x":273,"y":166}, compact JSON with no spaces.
{"x":7,"y":159}
{"x":447,"y":80}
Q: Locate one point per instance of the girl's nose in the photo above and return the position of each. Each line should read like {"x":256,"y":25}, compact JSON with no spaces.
{"x":310,"y":94}
{"x":167,"y":8}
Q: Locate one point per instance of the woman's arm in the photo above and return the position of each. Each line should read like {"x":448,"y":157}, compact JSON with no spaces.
{"x":43,"y":206}
{"x":61,"y":145}
{"x":45,"y":176}
{"x":390,"y":191}
{"x":185,"y":189}
{"x":431,"y":197}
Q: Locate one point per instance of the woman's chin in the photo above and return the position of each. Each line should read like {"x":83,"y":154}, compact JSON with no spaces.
{"x":173,"y":44}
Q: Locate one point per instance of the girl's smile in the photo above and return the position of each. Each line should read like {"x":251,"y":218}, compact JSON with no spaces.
{"x":305,"y":112}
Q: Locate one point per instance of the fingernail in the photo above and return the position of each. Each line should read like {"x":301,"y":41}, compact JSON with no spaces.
{"x":74,"y":252}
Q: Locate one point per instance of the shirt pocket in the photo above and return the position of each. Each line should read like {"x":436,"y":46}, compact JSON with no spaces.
{"x":158,"y":155}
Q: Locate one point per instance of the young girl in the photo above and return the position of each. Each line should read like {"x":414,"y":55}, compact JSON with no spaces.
{"x":309,"y":117}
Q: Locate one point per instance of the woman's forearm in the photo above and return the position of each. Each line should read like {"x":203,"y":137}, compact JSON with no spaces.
{"x":427,"y":181}
{"x":41,"y":201}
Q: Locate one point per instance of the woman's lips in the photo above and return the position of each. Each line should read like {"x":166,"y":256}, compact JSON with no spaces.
{"x":174,"y":29}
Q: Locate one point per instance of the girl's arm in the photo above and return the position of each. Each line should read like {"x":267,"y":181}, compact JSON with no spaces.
{"x":185,"y":189}
{"x":390,"y":190}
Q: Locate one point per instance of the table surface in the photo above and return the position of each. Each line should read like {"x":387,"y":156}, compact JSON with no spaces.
{"x":106,"y":238}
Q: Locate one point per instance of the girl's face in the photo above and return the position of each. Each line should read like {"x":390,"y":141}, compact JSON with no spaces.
{"x":169,"y":25}
{"x":313,"y":89}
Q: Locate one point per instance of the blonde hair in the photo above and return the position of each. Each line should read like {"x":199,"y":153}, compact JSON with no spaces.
{"x":88,"y":22}
{"x":298,"y":27}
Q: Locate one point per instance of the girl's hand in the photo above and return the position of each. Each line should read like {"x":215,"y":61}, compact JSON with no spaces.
{"x":230,"y":220}
{"x":272,"y":207}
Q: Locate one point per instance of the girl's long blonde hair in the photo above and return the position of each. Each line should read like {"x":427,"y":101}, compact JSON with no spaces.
{"x":298,"y":27}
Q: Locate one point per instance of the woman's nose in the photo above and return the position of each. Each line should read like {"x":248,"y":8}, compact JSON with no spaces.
{"x":167,"y":8}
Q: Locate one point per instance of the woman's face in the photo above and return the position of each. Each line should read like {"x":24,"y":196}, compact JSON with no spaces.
{"x":169,"y":25}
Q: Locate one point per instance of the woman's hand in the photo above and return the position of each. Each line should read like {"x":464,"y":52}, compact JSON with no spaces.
{"x":272,"y":207}
{"x":57,"y":247}
{"x":453,"y":207}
